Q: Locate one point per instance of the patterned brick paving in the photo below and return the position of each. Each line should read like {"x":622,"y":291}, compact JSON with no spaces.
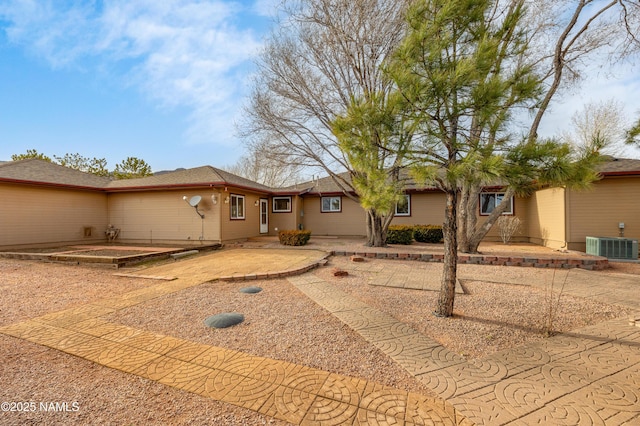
{"x":290,"y":392}
{"x":588,"y":377}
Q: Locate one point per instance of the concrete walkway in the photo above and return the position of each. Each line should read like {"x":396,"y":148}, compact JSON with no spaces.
{"x":290,"y":392}
{"x":590,"y":376}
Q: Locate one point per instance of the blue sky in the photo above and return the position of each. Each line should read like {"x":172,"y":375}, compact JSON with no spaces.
{"x":160,"y":80}
{"x":164,"y":81}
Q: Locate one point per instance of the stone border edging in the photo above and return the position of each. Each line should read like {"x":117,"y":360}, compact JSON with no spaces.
{"x":595,"y":264}
{"x":281,"y":274}
{"x":148,"y":277}
{"x":113,"y":261}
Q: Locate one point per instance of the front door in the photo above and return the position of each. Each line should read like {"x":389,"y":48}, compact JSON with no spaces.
{"x":264,"y":216}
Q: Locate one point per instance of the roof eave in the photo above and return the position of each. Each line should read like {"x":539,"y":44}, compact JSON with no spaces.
{"x":622,"y":173}
{"x":52,"y":184}
{"x":182,"y":185}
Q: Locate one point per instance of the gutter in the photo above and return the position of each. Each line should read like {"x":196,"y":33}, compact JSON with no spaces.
{"x":121,"y":189}
{"x":181,"y":185}
{"x":625,"y":173}
{"x":52,"y":184}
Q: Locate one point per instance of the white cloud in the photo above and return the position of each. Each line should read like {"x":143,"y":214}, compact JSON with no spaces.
{"x":185,"y":53}
{"x":267,"y":8}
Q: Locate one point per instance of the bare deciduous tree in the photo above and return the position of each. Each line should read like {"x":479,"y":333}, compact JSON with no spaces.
{"x":599,"y":126}
{"x":325,"y":54}
{"x":260,"y":166}
{"x":566,"y":35}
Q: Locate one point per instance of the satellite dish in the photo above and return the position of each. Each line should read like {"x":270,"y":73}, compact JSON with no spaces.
{"x":193,"y":202}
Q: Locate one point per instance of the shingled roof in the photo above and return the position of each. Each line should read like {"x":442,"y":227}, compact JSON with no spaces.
{"x":619,"y":166}
{"x":198,"y":176}
{"x":611,"y":166}
{"x":38,"y":172}
{"x":34,"y":171}
{"x":327,"y":185}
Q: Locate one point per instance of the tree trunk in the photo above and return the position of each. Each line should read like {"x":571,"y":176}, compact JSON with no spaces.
{"x":377,"y":226}
{"x":469,"y":205}
{"x":462,"y":217}
{"x":479,"y":233}
{"x":448,"y":287}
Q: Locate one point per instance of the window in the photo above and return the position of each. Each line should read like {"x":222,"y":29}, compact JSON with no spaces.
{"x":331,"y":204}
{"x":237,"y":206}
{"x":281,"y":204}
{"x":489,"y":201}
{"x":403,"y":207}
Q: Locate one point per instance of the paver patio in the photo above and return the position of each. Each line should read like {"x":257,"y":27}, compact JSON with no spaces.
{"x":290,"y":392}
{"x":589,"y":376}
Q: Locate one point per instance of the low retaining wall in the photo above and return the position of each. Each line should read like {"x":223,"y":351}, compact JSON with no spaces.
{"x":281,"y":274}
{"x":594,"y":264}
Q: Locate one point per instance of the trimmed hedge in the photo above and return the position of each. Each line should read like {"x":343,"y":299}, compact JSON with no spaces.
{"x":400,"y":234}
{"x":428,"y":233}
{"x":294,"y":237}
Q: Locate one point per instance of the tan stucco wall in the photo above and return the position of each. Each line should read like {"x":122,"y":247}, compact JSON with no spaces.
{"x":545,"y":219}
{"x":32,"y":215}
{"x":520,"y":211}
{"x":351,"y":221}
{"x":285,"y":221}
{"x":426,"y":209}
{"x":164,"y":217}
{"x":598,"y":211}
{"x":241,"y":229}
{"x":41,"y":216}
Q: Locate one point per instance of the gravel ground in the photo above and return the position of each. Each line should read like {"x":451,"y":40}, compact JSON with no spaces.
{"x":492,"y":317}
{"x":281,"y":323}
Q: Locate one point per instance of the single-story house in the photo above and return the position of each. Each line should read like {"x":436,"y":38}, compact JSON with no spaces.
{"x":42,"y":203}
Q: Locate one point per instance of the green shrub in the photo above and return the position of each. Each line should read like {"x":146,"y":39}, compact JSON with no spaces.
{"x":428,"y":233}
{"x":294,"y":237}
{"x":400,"y":234}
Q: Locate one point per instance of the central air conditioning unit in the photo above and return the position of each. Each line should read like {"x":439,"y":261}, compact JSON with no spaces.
{"x":613,"y":248}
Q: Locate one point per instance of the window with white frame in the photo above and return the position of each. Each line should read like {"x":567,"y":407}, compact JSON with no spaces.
{"x":490,"y":200}
{"x":331,"y":204}
{"x":237,"y":206}
{"x":281,"y":204}
{"x":403,"y":206}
